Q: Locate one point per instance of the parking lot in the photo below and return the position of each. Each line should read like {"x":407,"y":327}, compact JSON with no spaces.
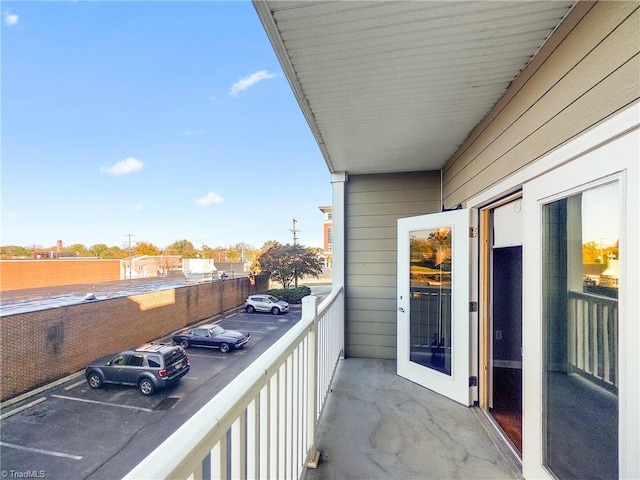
{"x":70,"y":431}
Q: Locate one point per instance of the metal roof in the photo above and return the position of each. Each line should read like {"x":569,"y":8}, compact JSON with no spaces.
{"x":398,"y":86}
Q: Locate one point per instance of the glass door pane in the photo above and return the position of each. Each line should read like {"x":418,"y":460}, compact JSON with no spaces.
{"x":580,"y":323}
{"x":430,"y":293}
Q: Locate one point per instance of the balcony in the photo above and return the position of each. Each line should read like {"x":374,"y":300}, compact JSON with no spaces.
{"x":300,"y":396}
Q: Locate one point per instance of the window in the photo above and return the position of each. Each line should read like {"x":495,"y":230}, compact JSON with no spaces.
{"x":119,"y":360}
{"x":136,"y":361}
{"x":431,"y":299}
{"x":154,"y":362}
{"x":580,"y":315}
{"x":217,"y":330}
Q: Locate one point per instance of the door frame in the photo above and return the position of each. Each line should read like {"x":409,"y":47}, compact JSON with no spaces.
{"x":624,"y":124}
{"x":485,"y":308}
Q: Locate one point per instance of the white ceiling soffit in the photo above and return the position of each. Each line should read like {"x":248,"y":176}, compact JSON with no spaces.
{"x":398,"y":86}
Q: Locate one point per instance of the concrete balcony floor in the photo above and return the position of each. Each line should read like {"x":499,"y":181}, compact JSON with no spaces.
{"x":377,"y":425}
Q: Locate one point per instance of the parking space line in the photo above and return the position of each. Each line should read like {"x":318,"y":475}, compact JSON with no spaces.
{"x":131,"y":407}
{"x":257,"y":320}
{"x":189,"y":354}
{"x":23,"y":407}
{"x":74,"y":385}
{"x":38,"y":450}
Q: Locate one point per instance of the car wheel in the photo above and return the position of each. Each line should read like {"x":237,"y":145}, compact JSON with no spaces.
{"x":95,"y":380}
{"x":250,"y":309}
{"x":146,"y":386}
{"x":275,"y":311}
{"x":224,"y":347}
{"x":184,"y":343}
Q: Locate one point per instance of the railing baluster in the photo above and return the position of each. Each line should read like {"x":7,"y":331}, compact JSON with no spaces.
{"x":594,"y":340}
{"x":216,"y":461}
{"x":571,"y":332}
{"x":587,"y":317}
{"x":238,"y":448}
{"x":253,"y":438}
{"x":593,"y":336}
{"x":580,"y":334}
{"x":614,"y":358}
{"x":605,"y":344}
{"x":265,"y":424}
{"x":312,"y":373}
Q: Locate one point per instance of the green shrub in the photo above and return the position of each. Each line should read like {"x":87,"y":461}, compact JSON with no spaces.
{"x":290,"y":295}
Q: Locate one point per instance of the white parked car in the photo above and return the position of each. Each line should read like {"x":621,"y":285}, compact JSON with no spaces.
{"x":265,"y":303}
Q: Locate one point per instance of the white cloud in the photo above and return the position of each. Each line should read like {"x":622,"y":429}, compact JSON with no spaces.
{"x":249,"y":81}
{"x":123,"y":167}
{"x":10,"y":214}
{"x":209,"y":199}
{"x":198,"y":132}
{"x":136,"y":208}
{"x":10,"y":19}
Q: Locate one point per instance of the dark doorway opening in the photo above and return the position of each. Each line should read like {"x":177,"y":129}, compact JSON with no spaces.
{"x":506,"y":405}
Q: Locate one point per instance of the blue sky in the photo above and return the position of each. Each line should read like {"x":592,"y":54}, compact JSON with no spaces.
{"x":163,"y":120}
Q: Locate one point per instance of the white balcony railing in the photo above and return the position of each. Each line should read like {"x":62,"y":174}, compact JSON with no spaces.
{"x":263,"y":424}
{"x":593,"y":337}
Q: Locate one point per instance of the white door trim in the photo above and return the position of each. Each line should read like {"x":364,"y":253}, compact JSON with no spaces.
{"x":618,"y":158}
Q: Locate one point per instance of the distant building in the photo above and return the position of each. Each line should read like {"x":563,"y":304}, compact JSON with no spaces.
{"x":328,"y":242}
{"x":151,"y":265}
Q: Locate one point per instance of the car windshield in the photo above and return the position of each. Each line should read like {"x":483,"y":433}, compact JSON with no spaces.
{"x":273,"y":299}
{"x":216,"y":330}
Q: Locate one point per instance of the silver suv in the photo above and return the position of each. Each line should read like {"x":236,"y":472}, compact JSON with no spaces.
{"x":265,"y":303}
{"x":148,"y":367}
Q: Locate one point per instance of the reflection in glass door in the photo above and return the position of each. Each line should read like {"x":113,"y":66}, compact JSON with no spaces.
{"x":580,"y":315}
{"x":430,"y":294}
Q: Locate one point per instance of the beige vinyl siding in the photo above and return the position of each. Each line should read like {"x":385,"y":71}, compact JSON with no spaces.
{"x":374,"y":203}
{"x":586,"y":71}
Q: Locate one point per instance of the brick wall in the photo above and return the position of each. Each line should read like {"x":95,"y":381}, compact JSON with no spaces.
{"x":46,"y":345}
{"x":23,"y":274}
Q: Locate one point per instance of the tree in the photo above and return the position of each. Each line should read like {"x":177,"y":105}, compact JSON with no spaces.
{"x":97,"y":249}
{"x":113,"y":252}
{"x":78,"y":249}
{"x":287,"y":263}
{"x":591,"y":253}
{"x":14,"y":251}
{"x":146,"y":248}
{"x":207,"y":251}
{"x":184,"y":248}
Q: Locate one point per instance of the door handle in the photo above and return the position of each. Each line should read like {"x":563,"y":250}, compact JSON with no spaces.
{"x":400,"y":309}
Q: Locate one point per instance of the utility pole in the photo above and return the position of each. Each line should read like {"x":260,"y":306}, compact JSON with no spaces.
{"x":129,"y":251}
{"x":295,"y":242}
{"x":295,"y":232}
